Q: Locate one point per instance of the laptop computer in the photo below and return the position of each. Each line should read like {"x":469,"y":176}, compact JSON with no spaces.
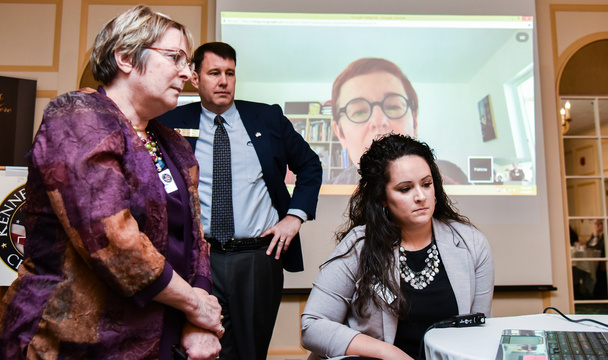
{"x":552,"y":345}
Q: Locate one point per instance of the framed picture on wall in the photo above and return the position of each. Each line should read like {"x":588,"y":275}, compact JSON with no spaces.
{"x":486,"y":119}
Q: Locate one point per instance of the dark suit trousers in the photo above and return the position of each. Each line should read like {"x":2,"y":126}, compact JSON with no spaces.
{"x":248,"y":285}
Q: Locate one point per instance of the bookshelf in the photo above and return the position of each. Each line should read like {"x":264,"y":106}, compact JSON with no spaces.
{"x":317,"y":131}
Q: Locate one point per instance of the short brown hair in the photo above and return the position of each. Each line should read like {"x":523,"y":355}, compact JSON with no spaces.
{"x":130,"y":33}
{"x":221,"y":49}
{"x":367,"y":66}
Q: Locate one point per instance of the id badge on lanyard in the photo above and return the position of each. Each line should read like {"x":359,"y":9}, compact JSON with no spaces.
{"x":168,"y":181}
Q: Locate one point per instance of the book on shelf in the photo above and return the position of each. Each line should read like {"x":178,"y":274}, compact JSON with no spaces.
{"x":326,"y":108}
{"x":336,"y":158}
{"x":323,"y":153}
{"x":319,"y":130}
{"x":340,"y":158}
{"x":300,"y":128}
{"x":303,"y":107}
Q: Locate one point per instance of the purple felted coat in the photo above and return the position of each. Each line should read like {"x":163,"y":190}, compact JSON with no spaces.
{"x":96,"y":237}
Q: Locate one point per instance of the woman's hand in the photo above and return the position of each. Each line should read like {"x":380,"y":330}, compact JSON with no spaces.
{"x":201,"y":309}
{"x":200,"y":344}
{"x":208,"y":313}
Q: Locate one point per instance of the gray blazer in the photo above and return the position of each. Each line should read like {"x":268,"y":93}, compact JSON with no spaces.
{"x":329,"y":322}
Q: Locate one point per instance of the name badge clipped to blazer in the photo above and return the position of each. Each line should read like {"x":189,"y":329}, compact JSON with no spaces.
{"x":189,"y":132}
{"x":384,"y":293}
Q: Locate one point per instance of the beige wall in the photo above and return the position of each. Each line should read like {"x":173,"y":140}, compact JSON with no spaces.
{"x":49,"y":41}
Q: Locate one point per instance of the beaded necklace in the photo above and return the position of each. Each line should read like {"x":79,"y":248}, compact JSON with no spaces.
{"x":152,"y":146}
{"x":420,"y":279}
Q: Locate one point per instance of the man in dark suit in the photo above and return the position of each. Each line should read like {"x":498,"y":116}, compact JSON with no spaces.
{"x":247,"y":267}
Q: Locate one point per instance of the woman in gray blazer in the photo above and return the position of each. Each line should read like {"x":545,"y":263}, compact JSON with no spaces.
{"x":406,"y":259}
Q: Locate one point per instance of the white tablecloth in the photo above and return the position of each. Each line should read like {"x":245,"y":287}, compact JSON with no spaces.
{"x":481,"y":342}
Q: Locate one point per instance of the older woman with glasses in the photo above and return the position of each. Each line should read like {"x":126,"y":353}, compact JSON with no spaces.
{"x":116,"y":265}
{"x":372,"y":97}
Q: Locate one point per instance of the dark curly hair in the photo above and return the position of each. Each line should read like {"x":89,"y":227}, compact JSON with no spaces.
{"x":382,"y":236}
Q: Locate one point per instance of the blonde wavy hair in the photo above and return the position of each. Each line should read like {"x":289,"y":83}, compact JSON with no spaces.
{"x":130,"y":33}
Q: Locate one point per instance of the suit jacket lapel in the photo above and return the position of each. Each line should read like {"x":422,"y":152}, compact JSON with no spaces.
{"x":389,"y":321}
{"x":193,"y":118}
{"x":259,"y":135}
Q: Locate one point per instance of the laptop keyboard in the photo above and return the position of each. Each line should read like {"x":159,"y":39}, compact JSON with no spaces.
{"x":567,"y":345}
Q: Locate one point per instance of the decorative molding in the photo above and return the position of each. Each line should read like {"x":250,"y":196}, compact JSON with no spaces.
{"x":46,"y":94}
{"x":54,"y":67}
{"x":560,"y":61}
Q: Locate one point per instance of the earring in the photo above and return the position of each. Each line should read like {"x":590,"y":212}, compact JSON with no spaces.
{"x":385,"y":211}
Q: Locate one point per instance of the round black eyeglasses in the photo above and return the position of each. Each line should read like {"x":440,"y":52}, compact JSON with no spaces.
{"x":360,"y":110}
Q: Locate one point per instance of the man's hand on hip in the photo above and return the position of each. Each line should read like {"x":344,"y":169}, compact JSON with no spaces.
{"x":283,"y":232}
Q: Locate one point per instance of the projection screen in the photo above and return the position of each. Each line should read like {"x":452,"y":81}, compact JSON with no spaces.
{"x":473,"y":67}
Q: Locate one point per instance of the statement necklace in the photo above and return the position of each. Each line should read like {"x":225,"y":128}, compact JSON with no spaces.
{"x":420,"y":279}
{"x":152,"y":146}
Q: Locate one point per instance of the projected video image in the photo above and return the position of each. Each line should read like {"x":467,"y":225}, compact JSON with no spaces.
{"x":463,"y":84}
